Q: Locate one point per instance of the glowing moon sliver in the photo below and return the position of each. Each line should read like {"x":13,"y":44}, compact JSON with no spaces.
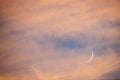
{"x":91,"y":58}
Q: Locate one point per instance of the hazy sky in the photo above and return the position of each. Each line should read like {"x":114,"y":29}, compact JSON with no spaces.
{"x":54,"y":39}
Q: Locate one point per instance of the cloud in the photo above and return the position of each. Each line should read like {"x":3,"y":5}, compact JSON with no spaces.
{"x":53,"y":40}
{"x":112,"y":75}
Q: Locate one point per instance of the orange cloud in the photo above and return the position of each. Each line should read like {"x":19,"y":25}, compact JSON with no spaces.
{"x":53,"y":39}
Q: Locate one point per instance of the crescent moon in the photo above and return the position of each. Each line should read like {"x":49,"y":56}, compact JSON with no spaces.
{"x":91,"y":58}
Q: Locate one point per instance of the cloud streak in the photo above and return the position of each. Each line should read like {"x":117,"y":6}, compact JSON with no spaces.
{"x":52,"y":40}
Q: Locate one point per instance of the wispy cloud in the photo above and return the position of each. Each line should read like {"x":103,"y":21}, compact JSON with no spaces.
{"x":53,"y":40}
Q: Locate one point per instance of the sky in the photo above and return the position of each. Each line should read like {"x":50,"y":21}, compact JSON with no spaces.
{"x":54,"y":39}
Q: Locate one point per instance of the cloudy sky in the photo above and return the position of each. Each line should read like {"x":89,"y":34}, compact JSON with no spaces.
{"x":54,"y":39}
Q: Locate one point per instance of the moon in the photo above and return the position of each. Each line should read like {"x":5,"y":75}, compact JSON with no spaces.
{"x":91,"y":58}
